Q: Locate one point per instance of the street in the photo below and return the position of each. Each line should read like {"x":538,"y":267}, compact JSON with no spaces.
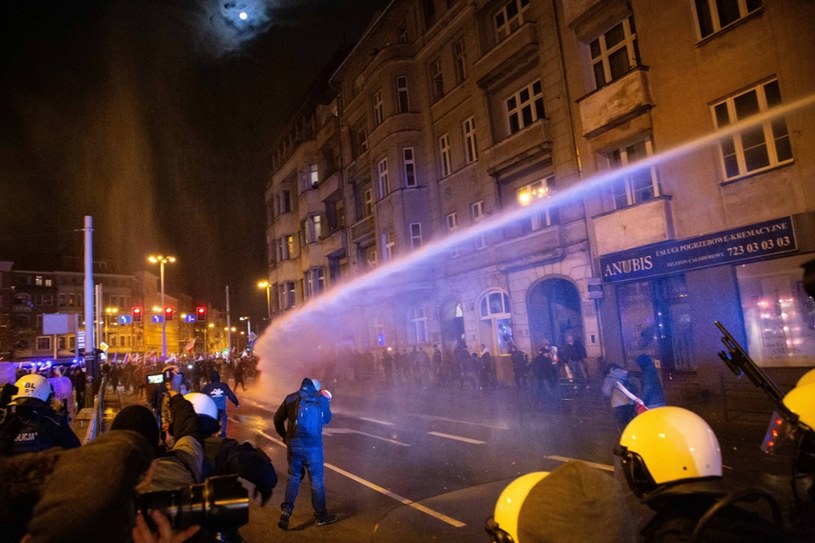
{"x":411,"y":464}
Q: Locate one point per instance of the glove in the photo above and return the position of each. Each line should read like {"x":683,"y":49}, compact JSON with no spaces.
{"x":326,"y":393}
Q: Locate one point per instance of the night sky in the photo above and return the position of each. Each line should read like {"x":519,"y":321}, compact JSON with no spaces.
{"x":155,"y":118}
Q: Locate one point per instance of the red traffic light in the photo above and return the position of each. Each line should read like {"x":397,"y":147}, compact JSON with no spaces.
{"x":136,"y":313}
{"x":168,"y":313}
{"x":201,"y":313}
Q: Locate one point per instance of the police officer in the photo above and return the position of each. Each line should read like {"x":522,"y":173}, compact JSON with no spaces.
{"x":41,"y":427}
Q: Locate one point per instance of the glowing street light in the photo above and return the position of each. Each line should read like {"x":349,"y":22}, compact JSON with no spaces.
{"x":267,"y":286}
{"x":162,"y":260}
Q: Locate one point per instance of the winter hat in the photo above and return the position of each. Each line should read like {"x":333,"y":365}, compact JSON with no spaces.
{"x":139,"y":419}
{"x":310,"y":384}
{"x":576,"y":491}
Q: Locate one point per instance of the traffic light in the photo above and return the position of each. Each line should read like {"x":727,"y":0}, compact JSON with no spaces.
{"x":168,"y":313}
{"x":136,"y":312}
{"x":201,"y":313}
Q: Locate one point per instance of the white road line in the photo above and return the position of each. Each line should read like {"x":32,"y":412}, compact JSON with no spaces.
{"x":457,"y":438}
{"x":471,"y":423}
{"x":419,"y":507}
{"x":377,"y":421}
{"x":604,"y":467}
{"x":330,"y":431}
{"x":275,"y":440}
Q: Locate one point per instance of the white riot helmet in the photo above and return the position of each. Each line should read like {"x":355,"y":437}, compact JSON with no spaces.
{"x":202,"y":404}
{"x":33,"y":385}
{"x":668,"y":445}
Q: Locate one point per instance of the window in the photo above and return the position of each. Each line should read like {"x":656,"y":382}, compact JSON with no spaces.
{"x":758,"y":147}
{"x":419,"y":319}
{"x":359,"y":139}
{"x":460,"y":60}
{"x":451,"y":219}
{"x":409,"y":163}
{"x":531,"y":193}
{"x":38,"y":281}
{"x":43,"y":343}
{"x":639,"y":186}
{"x":429,"y":12}
{"x":285,"y":247}
{"x":509,"y":18}
{"x":379,"y":108}
{"x":402,"y":34}
{"x":525,"y":106}
{"x":283,"y":201}
{"x":383,"y":183}
{"x":614,"y":53}
{"x":286,"y":296}
{"x":368,"y":202}
{"x":470,"y":144}
{"x":313,"y":175}
{"x":444,"y":153}
{"x":370,"y":257}
{"x":436,"y":80}
{"x":313,"y":228}
{"x":313,"y":282}
{"x":477,"y":215}
{"x":402,"y":94}
{"x":389,"y":241}
{"x":415,"y":235}
{"x":713,"y":15}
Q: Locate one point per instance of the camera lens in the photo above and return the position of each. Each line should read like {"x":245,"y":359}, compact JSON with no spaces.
{"x":219,"y":503}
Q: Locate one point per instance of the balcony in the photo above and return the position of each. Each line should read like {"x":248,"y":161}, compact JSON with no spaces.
{"x":363,"y":230}
{"x":615,"y":103}
{"x":518,"y":148}
{"x":329,"y":186}
{"x":634,"y":226}
{"x":507,"y":57}
{"x":335,"y":244}
{"x":310,"y":202}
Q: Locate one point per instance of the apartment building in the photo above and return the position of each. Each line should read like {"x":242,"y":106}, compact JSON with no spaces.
{"x":451,"y":116}
{"x":719,"y":231}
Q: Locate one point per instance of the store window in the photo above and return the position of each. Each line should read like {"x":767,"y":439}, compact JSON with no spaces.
{"x":655,"y":320}
{"x":779,"y":316}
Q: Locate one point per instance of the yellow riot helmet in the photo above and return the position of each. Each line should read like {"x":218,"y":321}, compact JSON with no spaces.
{"x":801,"y":401}
{"x":807,"y":378}
{"x":503,"y":525}
{"x":668,"y":445}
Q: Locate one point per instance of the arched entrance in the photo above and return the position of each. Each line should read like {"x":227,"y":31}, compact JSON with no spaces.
{"x":554,"y":312}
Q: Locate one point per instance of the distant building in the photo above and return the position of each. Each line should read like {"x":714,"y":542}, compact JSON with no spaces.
{"x":450,"y":115}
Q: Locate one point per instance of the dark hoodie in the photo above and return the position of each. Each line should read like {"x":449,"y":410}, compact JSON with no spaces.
{"x":286,"y":416}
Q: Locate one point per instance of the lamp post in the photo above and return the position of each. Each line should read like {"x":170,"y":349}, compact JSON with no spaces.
{"x":161,"y":261}
{"x":267,"y":286}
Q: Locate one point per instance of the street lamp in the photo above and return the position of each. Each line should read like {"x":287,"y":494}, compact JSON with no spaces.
{"x":161,"y":260}
{"x":267,"y":286}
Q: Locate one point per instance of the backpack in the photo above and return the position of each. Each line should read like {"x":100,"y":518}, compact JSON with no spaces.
{"x":309,"y":416}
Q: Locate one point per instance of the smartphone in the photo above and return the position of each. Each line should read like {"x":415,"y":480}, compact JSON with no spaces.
{"x":155,"y":379}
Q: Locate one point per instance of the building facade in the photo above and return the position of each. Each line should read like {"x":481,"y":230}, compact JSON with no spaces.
{"x":478,"y":162}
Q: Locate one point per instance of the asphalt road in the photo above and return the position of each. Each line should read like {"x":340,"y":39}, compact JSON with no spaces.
{"x":418,"y":465}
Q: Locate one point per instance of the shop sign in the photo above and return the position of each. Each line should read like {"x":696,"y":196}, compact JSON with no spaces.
{"x":749,"y":242}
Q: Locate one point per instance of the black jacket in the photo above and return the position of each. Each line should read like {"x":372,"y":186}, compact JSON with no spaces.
{"x":41,"y":427}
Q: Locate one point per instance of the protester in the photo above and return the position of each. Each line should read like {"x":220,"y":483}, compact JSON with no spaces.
{"x":623,"y":406}
{"x":652,"y":394}
{"x":299,"y":420}
{"x":219,"y":391}
{"x":573,"y":355}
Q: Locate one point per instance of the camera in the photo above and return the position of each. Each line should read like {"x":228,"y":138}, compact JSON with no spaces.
{"x":155,"y":379}
{"x":219,"y":503}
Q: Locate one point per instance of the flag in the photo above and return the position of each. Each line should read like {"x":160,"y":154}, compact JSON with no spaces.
{"x":190,"y":345}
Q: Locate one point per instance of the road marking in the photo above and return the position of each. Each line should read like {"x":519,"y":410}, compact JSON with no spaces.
{"x":457,"y":438}
{"x":330,"y":431}
{"x":377,"y":421}
{"x":419,"y":507}
{"x":433,"y":417}
{"x":274,"y":440}
{"x":605,"y":467}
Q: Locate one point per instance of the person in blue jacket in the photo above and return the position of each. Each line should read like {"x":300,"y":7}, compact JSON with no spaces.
{"x":219,"y":391}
